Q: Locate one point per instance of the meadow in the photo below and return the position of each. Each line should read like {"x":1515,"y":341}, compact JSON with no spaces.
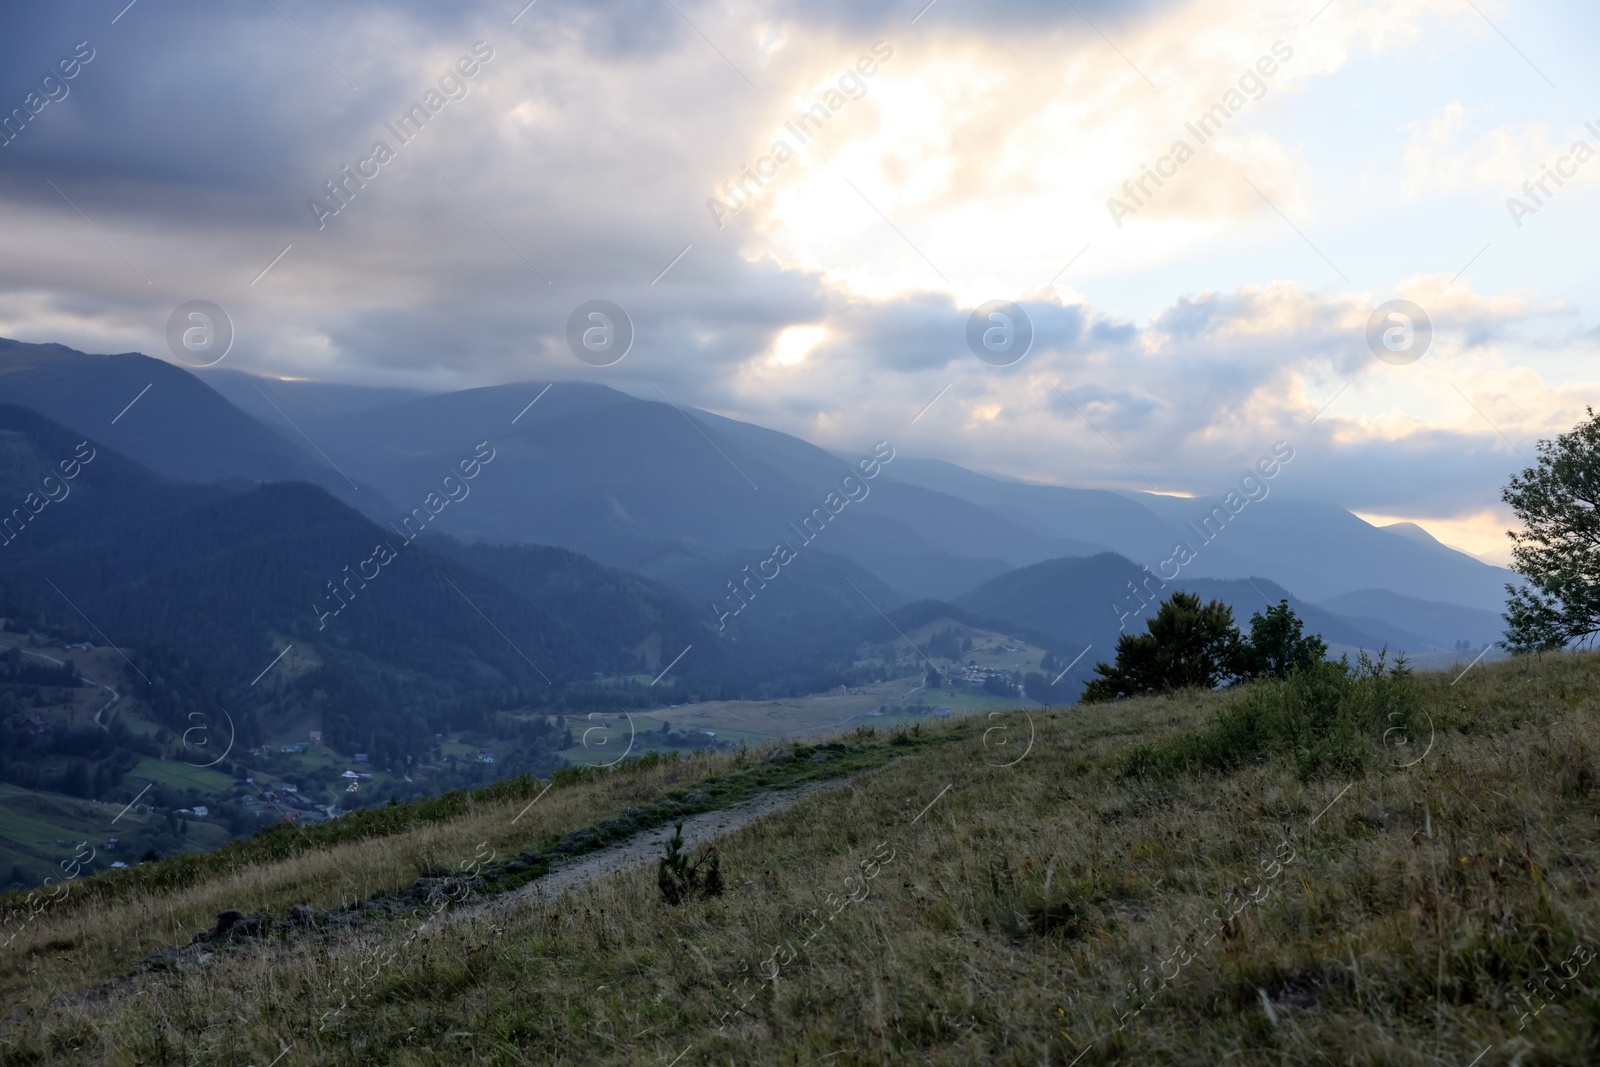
{"x":1389,"y":868}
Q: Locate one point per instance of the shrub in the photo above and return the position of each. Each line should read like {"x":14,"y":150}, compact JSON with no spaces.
{"x":1327,"y":717}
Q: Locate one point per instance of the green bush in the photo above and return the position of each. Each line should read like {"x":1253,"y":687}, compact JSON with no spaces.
{"x":1329,"y":718}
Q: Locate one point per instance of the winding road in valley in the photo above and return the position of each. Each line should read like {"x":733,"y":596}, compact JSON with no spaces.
{"x":115,"y":696}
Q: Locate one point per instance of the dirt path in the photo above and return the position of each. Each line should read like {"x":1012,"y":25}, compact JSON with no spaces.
{"x":644,"y":849}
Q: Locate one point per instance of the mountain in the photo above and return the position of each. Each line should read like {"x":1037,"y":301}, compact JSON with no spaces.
{"x":1442,"y":624}
{"x":1087,"y":603}
{"x":393,"y":640}
{"x":158,"y":415}
{"x":417,"y":617}
{"x":623,"y":480}
{"x":1321,"y":551}
{"x":652,"y":487}
{"x":1317,"y":549}
{"x":1246,"y":596}
{"x":1412,"y":532}
{"x":280,"y":609}
{"x":270,"y":400}
{"x":1097,"y":518}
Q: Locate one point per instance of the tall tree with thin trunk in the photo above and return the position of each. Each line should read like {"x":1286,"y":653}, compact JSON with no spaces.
{"x":1558,"y":549}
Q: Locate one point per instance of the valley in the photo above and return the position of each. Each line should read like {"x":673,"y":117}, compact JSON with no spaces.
{"x":738,"y":552}
{"x":275,"y":680}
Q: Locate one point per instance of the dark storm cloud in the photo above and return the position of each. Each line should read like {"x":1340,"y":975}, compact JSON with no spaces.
{"x":184,"y":97}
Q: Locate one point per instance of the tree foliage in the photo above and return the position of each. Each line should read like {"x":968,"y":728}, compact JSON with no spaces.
{"x":1190,"y":645}
{"x":1277,"y":646}
{"x":1558,"y":549}
{"x":1186,"y":645}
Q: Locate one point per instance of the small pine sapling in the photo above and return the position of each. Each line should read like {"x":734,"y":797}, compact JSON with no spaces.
{"x":682,"y":879}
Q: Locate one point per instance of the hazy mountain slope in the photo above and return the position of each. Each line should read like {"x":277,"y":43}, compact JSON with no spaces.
{"x":1083,"y":602}
{"x":951,"y":521}
{"x":1443,"y":624}
{"x":1248,"y":596}
{"x":620,"y":479}
{"x":630,"y":617}
{"x":231,"y":575}
{"x":180,"y":428}
{"x":625,"y":480}
{"x":1074,"y":601}
{"x":1321,"y":551}
{"x":1093,"y":516}
{"x":299,"y":399}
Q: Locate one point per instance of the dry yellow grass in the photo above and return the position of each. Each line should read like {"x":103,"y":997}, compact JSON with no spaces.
{"x":79,"y":941}
{"x":1025,"y":914}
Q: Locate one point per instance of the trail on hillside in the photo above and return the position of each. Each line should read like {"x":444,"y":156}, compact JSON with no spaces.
{"x":644,"y":849}
{"x":239,"y":933}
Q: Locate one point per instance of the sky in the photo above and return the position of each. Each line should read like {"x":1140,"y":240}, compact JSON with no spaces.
{"x":1156,"y":332}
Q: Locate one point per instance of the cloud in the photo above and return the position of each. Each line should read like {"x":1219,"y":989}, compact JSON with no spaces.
{"x":1447,"y":153}
{"x":975,"y":163}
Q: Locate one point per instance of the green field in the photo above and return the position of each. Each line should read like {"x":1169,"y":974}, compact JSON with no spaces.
{"x":182,"y":776}
{"x":32,"y":824}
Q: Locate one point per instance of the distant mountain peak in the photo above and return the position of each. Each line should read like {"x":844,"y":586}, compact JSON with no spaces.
{"x":1412,"y":532}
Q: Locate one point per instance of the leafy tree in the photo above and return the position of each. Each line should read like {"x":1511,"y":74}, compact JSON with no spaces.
{"x":1558,"y":549}
{"x":1276,"y":645}
{"x":1186,"y":645}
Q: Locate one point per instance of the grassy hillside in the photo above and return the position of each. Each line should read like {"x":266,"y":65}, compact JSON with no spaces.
{"x":1332,"y":871}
